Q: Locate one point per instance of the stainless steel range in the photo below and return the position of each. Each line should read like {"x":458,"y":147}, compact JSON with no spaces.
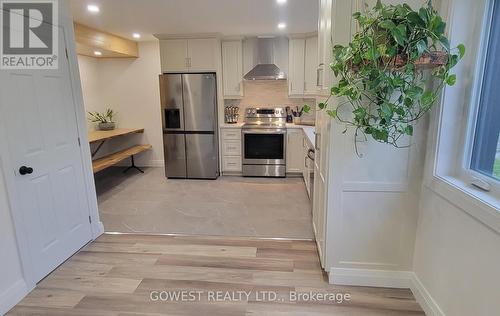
{"x":264,"y":142}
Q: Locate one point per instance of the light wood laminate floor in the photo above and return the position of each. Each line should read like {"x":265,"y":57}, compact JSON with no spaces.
{"x":228,"y":206}
{"x":115,"y":275}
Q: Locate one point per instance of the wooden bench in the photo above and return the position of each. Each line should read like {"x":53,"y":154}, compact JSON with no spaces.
{"x":112,"y":159}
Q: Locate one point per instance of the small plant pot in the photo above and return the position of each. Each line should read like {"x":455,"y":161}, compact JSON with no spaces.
{"x":297,"y":120}
{"x":107,"y":126}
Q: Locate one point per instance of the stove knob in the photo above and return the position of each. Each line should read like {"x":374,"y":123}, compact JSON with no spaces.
{"x":253,"y":111}
{"x":249,"y":111}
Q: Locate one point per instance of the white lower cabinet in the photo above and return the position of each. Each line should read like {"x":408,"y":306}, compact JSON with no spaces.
{"x":231,"y":164}
{"x":231,"y":150}
{"x":231,"y":147}
{"x":294,"y":151}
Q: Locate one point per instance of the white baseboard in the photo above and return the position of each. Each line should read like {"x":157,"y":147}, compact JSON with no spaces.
{"x":99,"y":230}
{"x":424,"y":298}
{"x":391,"y":279}
{"x":12,"y":296}
{"x":155,"y":163}
{"x":366,"y":277}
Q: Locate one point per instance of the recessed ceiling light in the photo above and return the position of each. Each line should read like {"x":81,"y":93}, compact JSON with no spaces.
{"x":281,"y":1}
{"x":136,"y":35}
{"x":97,"y":53}
{"x":93,"y":8}
{"x":281,"y":26}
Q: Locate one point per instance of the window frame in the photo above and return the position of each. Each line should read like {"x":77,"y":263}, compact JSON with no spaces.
{"x":465,"y":171}
{"x":447,"y":170}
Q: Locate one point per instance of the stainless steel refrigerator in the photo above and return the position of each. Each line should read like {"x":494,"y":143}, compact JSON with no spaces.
{"x":188,"y":103}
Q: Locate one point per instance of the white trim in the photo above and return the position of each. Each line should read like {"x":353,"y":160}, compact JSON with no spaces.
{"x":82,"y":125}
{"x":359,"y":186}
{"x":13,"y":295}
{"x":478,"y":204}
{"x":424,"y":298}
{"x":367,"y":277}
{"x":390,"y":279}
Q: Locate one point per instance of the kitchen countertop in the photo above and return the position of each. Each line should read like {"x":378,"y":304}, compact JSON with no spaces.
{"x":308,"y":130}
{"x":235,"y":125}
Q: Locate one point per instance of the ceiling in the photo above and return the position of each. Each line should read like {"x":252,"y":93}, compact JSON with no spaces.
{"x":229,"y":17}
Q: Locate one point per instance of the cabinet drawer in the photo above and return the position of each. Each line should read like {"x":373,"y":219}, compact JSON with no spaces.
{"x":231,"y":148}
{"x":231,"y":163}
{"x":231,"y":134}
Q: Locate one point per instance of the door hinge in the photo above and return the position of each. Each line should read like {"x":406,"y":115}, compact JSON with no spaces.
{"x":66,"y":50}
{"x":90,"y":219}
{"x":79,"y":142}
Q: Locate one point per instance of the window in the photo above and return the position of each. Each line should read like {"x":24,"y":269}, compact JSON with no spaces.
{"x":486,"y":142}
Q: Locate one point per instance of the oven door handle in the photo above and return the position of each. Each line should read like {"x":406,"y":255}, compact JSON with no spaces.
{"x":263,"y":131}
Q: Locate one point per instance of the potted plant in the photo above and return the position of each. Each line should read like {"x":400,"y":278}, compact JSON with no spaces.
{"x":104,"y":120}
{"x":384,"y":71}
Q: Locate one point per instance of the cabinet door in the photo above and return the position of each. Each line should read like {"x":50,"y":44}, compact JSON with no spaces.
{"x":296,"y":67}
{"x":202,"y":54}
{"x":294,"y":151}
{"x":324,"y":45}
{"x":311,"y":65}
{"x":232,"y":69}
{"x":174,"y":55}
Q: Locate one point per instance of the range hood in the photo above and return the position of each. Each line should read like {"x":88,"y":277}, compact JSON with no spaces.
{"x":265,"y":68}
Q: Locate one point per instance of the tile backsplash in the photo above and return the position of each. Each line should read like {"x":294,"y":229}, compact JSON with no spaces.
{"x":266,"y":93}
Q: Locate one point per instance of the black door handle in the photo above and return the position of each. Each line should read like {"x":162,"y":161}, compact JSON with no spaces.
{"x":25,"y":170}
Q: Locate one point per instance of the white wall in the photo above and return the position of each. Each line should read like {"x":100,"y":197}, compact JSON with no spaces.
{"x":372,"y":200}
{"x":457,"y":259}
{"x":12,"y":285}
{"x":130,"y":87}
{"x":89,"y":77}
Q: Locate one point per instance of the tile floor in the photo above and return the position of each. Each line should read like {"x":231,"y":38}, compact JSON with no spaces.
{"x":229,"y":206}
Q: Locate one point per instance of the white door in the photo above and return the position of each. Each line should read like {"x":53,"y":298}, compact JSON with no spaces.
{"x":38,"y":121}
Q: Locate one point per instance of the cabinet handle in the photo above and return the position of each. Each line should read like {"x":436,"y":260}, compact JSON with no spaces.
{"x":318,"y":70}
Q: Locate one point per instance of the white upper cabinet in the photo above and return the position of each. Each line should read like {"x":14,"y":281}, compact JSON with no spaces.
{"x":189,"y":55}
{"x":232,"y":69}
{"x":296,"y":59}
{"x":311,"y":65}
{"x":324,"y":75}
{"x":203,"y":54}
{"x":303,"y":64}
{"x":174,"y":55}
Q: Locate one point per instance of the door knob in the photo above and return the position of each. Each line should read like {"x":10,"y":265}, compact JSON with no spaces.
{"x":25,"y":170}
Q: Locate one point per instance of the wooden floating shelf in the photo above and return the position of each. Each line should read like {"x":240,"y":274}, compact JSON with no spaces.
{"x":88,"y":40}
{"x":113,"y":159}
{"x":96,"y":136}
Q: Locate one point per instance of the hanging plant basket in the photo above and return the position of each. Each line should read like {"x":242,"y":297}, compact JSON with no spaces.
{"x":383,"y":72}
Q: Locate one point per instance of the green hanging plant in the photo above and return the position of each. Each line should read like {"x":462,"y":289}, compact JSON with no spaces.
{"x":382,"y":71}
